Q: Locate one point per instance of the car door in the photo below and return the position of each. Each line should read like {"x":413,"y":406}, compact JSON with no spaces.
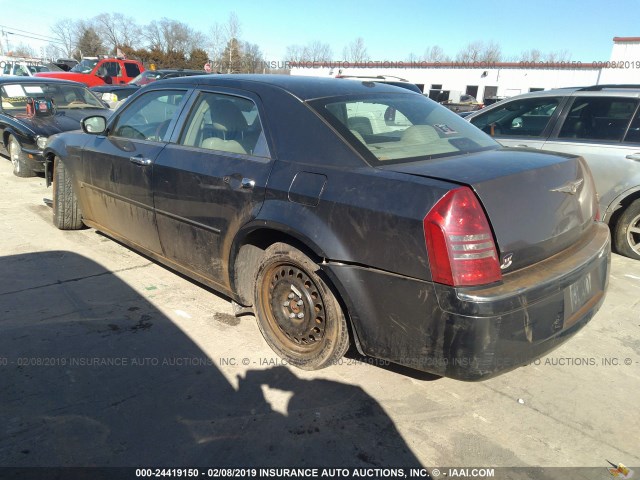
{"x":601,"y":130}
{"x":211,"y":182}
{"x":524,"y":122}
{"x":119,"y":167}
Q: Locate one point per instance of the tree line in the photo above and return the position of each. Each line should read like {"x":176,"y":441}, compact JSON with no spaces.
{"x":168,"y":43}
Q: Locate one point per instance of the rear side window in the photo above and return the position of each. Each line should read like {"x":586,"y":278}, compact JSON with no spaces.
{"x":131,"y":69}
{"x":225,"y":123}
{"x":401,"y":127}
{"x":527,"y":117}
{"x":599,"y":118}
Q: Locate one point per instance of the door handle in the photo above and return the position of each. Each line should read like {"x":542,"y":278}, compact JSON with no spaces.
{"x":522,"y":145}
{"x":634,"y":156}
{"x":140,"y":160}
{"x":247,"y":183}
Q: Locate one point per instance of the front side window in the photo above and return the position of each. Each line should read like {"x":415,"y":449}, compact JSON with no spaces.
{"x":225,"y":123}
{"x":527,"y":117}
{"x":148,"y":116}
{"x":401,"y":128}
{"x":633,"y":134}
{"x":593,"y":118}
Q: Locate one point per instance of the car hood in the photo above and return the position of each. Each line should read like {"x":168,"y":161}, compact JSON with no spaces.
{"x":64,"y":120}
{"x":537,"y":203}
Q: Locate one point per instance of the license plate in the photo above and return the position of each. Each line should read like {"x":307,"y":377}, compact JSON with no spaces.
{"x":576,"y":296}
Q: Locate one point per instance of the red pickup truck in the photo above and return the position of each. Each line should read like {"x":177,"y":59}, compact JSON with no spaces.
{"x":100,"y":71}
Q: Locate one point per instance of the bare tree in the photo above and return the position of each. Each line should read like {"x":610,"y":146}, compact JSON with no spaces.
{"x":533,"y":55}
{"x":216,"y":44}
{"x":65,"y":31}
{"x":435,"y":54}
{"x":478,"y":51}
{"x":53,"y":51}
{"x":557,"y":56}
{"x":491,"y":53}
{"x":356,"y":52}
{"x":314,"y":51}
{"x":317,"y":51}
{"x":252,"y":58}
{"x":24,"y":50}
{"x":294,"y":53}
{"x":233,"y":28}
{"x":117,"y":30}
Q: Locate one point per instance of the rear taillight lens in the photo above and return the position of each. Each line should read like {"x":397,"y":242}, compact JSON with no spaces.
{"x":459,"y":241}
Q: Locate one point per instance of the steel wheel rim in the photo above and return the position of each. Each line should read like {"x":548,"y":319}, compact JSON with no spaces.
{"x":633,"y":234}
{"x":14,"y":154}
{"x":294,"y":308}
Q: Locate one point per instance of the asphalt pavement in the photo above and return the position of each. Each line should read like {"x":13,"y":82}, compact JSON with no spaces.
{"x":109,"y":359}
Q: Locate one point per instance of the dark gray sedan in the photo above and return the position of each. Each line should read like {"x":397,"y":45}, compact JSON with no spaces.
{"x":345,"y":213}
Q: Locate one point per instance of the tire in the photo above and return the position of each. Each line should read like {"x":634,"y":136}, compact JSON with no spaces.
{"x":627,"y":232}
{"x":66,"y":211}
{"x":287,"y":284}
{"x":20,"y":168}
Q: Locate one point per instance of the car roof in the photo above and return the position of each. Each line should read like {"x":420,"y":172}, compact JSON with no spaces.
{"x":595,"y":90}
{"x":305,"y":88}
{"x":14,"y":79}
{"x":175,"y":70}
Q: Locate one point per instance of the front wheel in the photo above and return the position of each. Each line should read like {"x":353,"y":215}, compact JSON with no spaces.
{"x":298,"y":314}
{"x":627,"y":234}
{"x":66,"y":211}
{"x":20,"y":167}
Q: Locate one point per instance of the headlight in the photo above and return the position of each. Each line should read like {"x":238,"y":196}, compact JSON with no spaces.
{"x":41,"y":142}
{"x":110,"y":97}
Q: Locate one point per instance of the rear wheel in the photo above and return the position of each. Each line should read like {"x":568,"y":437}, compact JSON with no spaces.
{"x":20,"y":167}
{"x":627,"y":233}
{"x":297,"y":313}
{"x":66,"y":211}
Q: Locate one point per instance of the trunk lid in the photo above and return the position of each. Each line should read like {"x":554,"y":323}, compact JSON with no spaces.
{"x":538,"y":204}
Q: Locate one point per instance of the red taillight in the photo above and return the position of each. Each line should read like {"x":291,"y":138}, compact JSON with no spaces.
{"x":459,"y":241}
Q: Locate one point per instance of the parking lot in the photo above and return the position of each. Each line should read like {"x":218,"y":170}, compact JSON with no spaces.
{"x":109,"y":359}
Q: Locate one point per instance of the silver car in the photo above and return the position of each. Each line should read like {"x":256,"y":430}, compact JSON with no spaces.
{"x":600,"y":123}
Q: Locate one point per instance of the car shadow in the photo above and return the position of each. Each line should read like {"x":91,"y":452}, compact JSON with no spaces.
{"x":93,"y":374}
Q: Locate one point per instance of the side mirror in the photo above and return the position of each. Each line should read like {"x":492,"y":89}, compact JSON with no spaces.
{"x":95,"y":125}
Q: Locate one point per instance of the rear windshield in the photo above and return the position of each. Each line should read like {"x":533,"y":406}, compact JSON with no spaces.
{"x":401,"y":128}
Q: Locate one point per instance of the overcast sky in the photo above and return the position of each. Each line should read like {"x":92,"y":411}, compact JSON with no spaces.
{"x":391,"y":29}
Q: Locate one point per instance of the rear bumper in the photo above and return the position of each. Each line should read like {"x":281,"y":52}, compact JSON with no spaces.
{"x":474,"y":334}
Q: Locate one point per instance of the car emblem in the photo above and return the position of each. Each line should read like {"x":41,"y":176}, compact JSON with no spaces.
{"x":570,"y":187}
{"x":507,"y":260}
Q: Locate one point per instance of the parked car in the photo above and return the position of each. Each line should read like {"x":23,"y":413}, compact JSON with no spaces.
{"x":389,"y":80}
{"x":27,"y":69}
{"x":66,"y":64}
{"x":466,"y":103}
{"x":600,"y":123}
{"x":100,"y":71}
{"x":115,"y":94}
{"x":32,"y":109}
{"x":417,"y":238}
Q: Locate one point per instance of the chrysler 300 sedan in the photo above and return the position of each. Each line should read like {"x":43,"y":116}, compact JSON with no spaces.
{"x":345,"y":213}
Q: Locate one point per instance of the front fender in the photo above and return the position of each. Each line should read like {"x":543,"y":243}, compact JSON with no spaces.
{"x":64,"y":146}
